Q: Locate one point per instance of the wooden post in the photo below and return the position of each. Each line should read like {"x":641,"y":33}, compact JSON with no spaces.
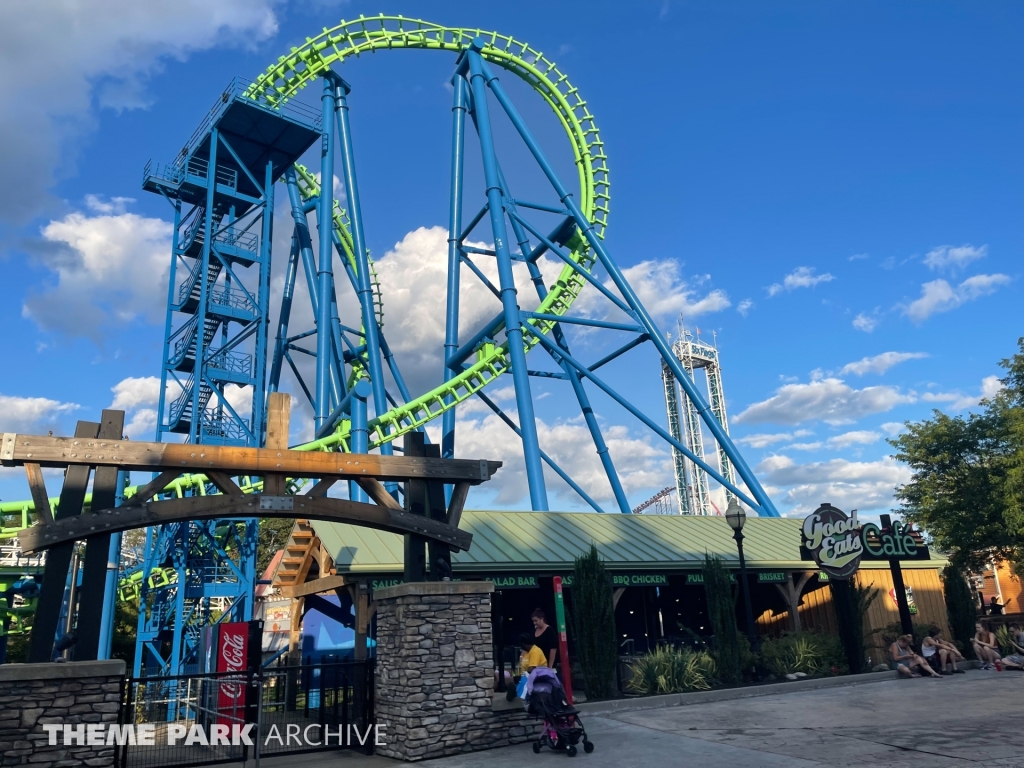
{"x":97,"y":550}
{"x":439,"y":554}
{"x":415,"y":502}
{"x":906,"y":622}
{"x":791,"y":594}
{"x":58,"y":558}
{"x":279,"y":407}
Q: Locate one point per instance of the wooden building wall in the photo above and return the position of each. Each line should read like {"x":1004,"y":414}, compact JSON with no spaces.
{"x":1012,"y":589}
{"x":931,"y":606}
{"x":817,"y":615}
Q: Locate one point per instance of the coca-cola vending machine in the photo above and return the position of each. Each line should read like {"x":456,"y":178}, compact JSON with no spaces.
{"x":231,"y":647}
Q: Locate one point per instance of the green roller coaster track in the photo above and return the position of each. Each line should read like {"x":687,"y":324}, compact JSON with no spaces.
{"x":302,"y":66}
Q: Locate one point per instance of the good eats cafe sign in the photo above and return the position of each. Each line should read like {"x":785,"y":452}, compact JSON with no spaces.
{"x":838,"y":542}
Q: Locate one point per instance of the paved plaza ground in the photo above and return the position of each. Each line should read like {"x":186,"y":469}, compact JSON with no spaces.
{"x":965,"y":720}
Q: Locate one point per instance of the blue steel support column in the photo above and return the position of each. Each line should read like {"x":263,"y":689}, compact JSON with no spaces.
{"x":110,"y":583}
{"x":360,"y":433}
{"x":260,"y":361}
{"x":325,"y":274}
{"x":574,"y":378}
{"x":140,"y":623}
{"x":364,"y":288}
{"x":281,"y":341}
{"x":513,"y":322}
{"x":196,"y":427}
{"x":451,"y":331}
{"x":626,"y":290}
{"x":165,"y":367}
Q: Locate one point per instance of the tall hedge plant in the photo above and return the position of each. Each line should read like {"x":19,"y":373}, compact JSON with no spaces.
{"x":959,"y":608}
{"x":729,"y":652}
{"x":593,"y":625}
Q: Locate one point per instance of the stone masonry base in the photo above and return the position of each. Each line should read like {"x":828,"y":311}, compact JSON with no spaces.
{"x":32,"y":695}
{"x":435,"y":672}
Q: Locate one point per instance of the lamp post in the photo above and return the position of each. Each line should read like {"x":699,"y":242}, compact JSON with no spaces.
{"x":737,"y":517}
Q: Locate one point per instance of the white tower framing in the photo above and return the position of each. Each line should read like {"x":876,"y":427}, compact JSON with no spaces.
{"x":692,"y":481}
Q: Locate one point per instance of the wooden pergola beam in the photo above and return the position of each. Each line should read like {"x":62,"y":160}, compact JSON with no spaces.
{"x":139,"y":515}
{"x":323,"y":584}
{"x":18,"y":449}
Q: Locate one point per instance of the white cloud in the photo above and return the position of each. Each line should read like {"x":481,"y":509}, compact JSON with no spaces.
{"x":866,"y":323}
{"x":858,"y":257}
{"x":880,"y":363}
{"x":825,"y":399}
{"x":764,"y":440}
{"x":32,"y":414}
{"x":744,"y":307}
{"x":61,"y":58}
{"x":801,"y":277}
{"x":110,"y":269}
{"x":893,"y":428}
{"x":130,"y":393}
{"x":641,"y":466}
{"x":664,"y":292}
{"x":952,"y":257}
{"x":849,"y":485}
{"x":142,"y":425}
{"x":857,"y":437}
{"x":990,"y":386}
{"x":940,"y":296}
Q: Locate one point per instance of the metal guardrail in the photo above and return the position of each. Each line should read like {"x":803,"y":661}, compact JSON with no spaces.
{"x":333,"y":694}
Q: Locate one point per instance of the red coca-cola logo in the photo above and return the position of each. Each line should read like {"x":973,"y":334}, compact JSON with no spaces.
{"x":232,"y":659}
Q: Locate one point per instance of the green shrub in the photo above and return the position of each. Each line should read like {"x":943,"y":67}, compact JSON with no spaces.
{"x":808,"y":652}
{"x":593,"y":625}
{"x":1005,"y":640}
{"x":722,"y":613}
{"x":668,"y":670}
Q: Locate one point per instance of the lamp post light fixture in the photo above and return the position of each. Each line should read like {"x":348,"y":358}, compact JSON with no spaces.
{"x":736,"y":516}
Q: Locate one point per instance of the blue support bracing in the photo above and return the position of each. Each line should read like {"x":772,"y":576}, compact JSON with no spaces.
{"x":506,"y":279}
{"x":451,"y":329}
{"x":216,"y":336}
{"x":482,"y":76}
{"x":547,"y":459}
{"x":325,"y":271}
{"x":573,"y":377}
{"x":360,"y":434}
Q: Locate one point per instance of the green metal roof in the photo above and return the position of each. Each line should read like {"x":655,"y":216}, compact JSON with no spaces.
{"x":550,"y":541}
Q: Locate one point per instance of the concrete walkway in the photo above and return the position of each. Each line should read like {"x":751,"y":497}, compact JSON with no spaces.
{"x":964,"y":720}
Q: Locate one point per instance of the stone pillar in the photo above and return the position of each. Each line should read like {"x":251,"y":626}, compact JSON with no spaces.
{"x":435,"y":672}
{"x":33,"y":695}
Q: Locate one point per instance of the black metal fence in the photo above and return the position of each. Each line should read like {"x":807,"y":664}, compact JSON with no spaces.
{"x":203,"y":719}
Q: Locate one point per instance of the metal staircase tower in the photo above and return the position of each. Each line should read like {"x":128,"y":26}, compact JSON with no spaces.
{"x":213,"y":373}
{"x":691,"y":480}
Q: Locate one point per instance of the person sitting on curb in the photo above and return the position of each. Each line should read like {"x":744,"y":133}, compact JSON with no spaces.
{"x":986,"y":648}
{"x":1016,"y":659}
{"x":939,"y":653}
{"x":903,"y":659}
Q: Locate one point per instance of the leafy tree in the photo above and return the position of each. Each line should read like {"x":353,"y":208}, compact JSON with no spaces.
{"x":729,"y":653}
{"x":968,"y":484}
{"x":593,"y":624}
{"x":274,"y":532}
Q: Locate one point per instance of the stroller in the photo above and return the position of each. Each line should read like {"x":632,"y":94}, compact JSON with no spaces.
{"x":545,"y":699}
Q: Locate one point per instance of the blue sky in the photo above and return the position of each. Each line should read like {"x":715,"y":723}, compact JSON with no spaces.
{"x":833,"y":189}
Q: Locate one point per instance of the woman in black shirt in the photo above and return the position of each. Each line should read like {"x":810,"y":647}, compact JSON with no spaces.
{"x":545,"y":637}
